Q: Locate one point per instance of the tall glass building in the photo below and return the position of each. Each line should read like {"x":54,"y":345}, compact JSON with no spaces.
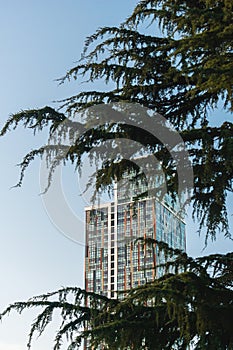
{"x":115,"y":261}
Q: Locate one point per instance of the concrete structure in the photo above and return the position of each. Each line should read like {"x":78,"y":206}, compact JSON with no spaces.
{"x":113,"y":262}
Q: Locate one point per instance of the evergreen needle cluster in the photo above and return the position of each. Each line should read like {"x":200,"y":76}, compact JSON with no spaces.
{"x":174,"y":57}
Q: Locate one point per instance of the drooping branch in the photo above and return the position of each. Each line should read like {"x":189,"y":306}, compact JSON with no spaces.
{"x":183,"y":71}
{"x":190,"y":304}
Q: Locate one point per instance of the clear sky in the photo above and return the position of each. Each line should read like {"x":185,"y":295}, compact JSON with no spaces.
{"x":39,"y":41}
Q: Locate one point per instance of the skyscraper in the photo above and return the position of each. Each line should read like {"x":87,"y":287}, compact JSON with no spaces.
{"x":113,"y":261}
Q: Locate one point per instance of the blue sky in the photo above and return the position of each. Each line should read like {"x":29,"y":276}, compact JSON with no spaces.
{"x":39,"y":41}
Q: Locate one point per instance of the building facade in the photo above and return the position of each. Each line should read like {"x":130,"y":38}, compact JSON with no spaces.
{"x":114,"y":260}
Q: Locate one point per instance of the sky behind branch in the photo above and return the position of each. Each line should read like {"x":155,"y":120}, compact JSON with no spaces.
{"x":39,"y":42}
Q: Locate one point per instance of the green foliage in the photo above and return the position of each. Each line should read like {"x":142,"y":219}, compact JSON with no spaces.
{"x":182,"y":67}
{"x":191,"y":305}
{"x":174,"y":57}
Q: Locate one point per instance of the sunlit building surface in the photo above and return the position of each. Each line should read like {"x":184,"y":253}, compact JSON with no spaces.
{"x":114,"y":260}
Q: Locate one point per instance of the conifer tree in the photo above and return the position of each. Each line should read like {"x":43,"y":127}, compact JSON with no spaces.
{"x":190,"y":306}
{"x":184,"y":72}
{"x":174,"y":57}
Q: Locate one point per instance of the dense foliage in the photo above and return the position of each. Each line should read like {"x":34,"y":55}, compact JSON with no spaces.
{"x":182,"y":67}
{"x":174,"y":57}
{"x":192,"y":304}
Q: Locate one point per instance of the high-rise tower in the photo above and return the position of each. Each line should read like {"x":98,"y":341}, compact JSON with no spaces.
{"x":113,"y":262}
